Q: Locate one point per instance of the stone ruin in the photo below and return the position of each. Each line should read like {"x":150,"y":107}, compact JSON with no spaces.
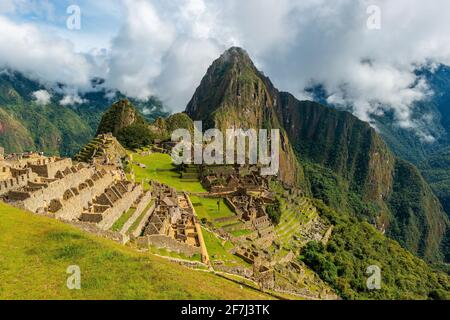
{"x":228,"y":179}
{"x":173,"y":224}
{"x":65,"y":190}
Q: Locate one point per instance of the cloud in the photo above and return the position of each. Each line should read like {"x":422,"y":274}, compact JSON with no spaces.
{"x":7,"y":6}
{"x":71,"y":99}
{"x":42,"y":97}
{"x":164,"y":48}
{"x":147,"y":111}
{"x":25,"y":48}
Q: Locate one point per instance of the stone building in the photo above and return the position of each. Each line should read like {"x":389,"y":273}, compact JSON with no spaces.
{"x":68,"y":191}
{"x":173,"y":224}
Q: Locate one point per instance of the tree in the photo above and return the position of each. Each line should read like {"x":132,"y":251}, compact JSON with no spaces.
{"x":135,"y":136}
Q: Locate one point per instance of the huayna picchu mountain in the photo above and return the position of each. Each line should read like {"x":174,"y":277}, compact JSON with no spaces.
{"x":331,"y":154}
{"x":233,"y":93}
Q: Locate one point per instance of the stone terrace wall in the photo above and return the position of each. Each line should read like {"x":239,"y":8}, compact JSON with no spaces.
{"x":55,"y":189}
{"x":146,"y":198}
{"x":120,"y":206}
{"x":108,"y":234}
{"x":50,"y":169}
{"x":73,"y":207}
{"x":138,"y":231}
{"x":16,"y":183}
{"x":165,"y":242}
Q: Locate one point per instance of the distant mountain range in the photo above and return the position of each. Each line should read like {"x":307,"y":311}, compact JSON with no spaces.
{"x":432,"y":116}
{"x":36,"y":117}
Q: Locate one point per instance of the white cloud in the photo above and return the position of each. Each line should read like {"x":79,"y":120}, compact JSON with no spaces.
{"x":71,"y":99}
{"x":7,"y":6}
{"x":42,"y":97}
{"x":146,"y":111}
{"x":164,"y":48}
{"x":25,"y":48}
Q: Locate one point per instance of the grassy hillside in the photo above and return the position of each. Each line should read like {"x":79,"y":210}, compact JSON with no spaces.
{"x":36,"y":251}
{"x":159,"y":167}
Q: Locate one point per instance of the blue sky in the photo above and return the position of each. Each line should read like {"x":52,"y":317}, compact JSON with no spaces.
{"x":164,"y":47}
{"x":100,"y":19}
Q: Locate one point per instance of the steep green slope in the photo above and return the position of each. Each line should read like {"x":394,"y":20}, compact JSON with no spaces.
{"x":120,"y":115}
{"x":417,"y":212}
{"x":436,"y":169}
{"x":52,"y":127}
{"x":163,"y":128}
{"x":36,"y":252}
{"x":341,"y":142}
{"x":133,"y":131}
{"x":387,"y":191}
{"x":235,"y":93}
{"x":14,"y":136}
{"x":354,"y":246}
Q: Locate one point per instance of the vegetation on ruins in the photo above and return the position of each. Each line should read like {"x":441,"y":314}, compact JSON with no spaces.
{"x":274,"y":212}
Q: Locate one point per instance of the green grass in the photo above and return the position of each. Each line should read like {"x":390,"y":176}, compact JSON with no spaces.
{"x":207,"y":208}
{"x":168,"y":253}
{"x":243,"y":232}
{"x":118,"y":225}
{"x":159,"y":167}
{"x":139,"y":219}
{"x":220,"y":250}
{"x":36,"y":252}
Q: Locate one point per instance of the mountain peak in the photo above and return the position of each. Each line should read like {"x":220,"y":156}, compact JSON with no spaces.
{"x":236,"y":52}
{"x":120,"y":115}
{"x":235,"y":56}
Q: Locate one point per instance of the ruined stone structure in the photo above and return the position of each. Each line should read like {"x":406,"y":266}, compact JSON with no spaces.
{"x":68,"y":191}
{"x":13,"y":178}
{"x":173,"y":224}
{"x":227,"y":179}
{"x":111,"y":204}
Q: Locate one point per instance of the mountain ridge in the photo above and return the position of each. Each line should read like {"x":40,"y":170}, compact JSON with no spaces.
{"x":52,"y":126}
{"x":234,"y":93}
